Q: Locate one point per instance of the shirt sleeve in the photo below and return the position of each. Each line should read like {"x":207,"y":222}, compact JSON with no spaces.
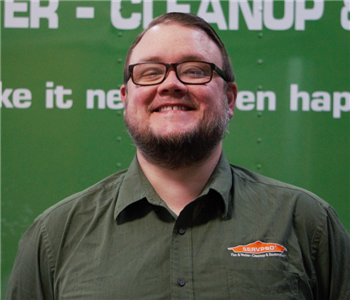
{"x":333,"y":260}
{"x":32,"y":274}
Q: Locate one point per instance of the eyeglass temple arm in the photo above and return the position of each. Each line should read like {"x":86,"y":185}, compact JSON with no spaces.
{"x":220,"y":72}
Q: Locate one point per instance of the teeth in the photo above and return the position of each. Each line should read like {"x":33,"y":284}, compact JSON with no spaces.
{"x":165,"y":108}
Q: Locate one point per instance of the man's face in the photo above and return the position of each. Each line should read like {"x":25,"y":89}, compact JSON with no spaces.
{"x":172,"y":109}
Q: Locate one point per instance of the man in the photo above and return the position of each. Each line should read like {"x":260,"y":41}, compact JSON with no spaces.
{"x":181,"y":223}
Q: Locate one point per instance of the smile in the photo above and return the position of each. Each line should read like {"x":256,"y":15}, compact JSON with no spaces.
{"x":175,"y":107}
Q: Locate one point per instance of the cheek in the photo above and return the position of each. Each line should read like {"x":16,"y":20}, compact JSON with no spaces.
{"x":211,"y":101}
{"x":142,"y":95}
{"x":136,"y":106}
{"x":133,"y":103}
{"x":215,"y":107}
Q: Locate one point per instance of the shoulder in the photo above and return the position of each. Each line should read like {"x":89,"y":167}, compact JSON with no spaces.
{"x":279,"y":200}
{"x":88,"y":200}
{"x":271,"y":187}
{"x":67,"y":222}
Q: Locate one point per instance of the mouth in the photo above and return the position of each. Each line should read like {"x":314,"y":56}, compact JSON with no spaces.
{"x":173,"y":107}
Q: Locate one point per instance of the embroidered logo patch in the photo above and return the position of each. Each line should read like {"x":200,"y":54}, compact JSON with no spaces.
{"x":258,"y":249}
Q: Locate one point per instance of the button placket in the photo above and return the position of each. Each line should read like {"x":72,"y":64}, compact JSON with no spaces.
{"x":181,"y":260}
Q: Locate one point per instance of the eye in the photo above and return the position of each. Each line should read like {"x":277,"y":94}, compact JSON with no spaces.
{"x":195,"y":70}
{"x":148,"y":73}
{"x":151,"y":72}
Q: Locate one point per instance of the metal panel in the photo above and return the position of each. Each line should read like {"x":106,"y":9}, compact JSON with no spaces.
{"x":50,"y":153}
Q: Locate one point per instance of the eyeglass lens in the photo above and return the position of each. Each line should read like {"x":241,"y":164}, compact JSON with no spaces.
{"x":188,"y":72}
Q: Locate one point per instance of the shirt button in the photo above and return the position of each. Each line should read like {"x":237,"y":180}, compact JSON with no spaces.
{"x":181,"y":282}
{"x":181,"y":231}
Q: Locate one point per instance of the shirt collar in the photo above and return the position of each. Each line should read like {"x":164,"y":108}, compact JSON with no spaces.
{"x":136,"y":187}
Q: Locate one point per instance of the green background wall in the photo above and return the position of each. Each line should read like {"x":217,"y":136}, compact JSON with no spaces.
{"x":50,"y":153}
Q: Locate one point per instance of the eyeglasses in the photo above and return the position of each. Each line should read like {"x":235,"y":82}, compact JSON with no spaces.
{"x":188,"y":72}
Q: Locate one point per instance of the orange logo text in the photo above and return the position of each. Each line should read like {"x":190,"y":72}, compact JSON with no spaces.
{"x":258,"y":247}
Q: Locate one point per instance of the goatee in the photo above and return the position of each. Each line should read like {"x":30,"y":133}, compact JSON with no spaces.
{"x":180,"y":150}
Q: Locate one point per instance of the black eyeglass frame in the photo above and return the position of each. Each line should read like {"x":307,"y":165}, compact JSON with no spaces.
{"x":213,"y":67}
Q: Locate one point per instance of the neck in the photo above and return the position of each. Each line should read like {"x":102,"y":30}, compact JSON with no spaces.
{"x":179,"y":187}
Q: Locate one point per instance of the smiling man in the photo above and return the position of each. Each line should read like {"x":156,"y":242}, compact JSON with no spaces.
{"x":178,"y":113}
{"x":181,"y":222}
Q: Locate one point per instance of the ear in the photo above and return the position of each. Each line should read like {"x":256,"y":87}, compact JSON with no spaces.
{"x":231,"y":93}
{"x":123,"y":93}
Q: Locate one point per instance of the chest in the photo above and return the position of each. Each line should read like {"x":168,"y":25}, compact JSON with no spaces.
{"x":150,"y":259}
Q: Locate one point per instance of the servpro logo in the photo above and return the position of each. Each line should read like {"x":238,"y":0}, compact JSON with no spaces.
{"x":258,"y":249}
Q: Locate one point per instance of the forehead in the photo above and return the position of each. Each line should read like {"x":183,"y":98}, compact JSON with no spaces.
{"x":173,"y":42}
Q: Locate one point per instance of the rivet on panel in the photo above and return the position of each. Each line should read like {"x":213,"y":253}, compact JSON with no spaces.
{"x":258,"y":166}
{"x":120,"y":34}
{"x":118,"y":165}
{"x":259,"y":140}
{"x":260,"y":35}
{"x":260,"y":88}
{"x":260,"y":61}
{"x":119,"y":60}
{"x":259,"y":114}
{"x":118,"y":139}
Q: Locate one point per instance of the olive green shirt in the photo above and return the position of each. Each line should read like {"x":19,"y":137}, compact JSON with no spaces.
{"x":245,"y":237}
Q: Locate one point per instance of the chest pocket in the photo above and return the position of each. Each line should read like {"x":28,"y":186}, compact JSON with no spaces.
{"x":263,"y":284}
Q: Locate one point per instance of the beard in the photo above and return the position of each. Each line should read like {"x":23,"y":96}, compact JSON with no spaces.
{"x":180,"y":150}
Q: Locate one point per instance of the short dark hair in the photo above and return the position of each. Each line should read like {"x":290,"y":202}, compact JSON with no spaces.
{"x":189,"y":20}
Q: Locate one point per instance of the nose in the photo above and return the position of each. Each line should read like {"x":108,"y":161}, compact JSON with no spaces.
{"x":172,"y":84}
